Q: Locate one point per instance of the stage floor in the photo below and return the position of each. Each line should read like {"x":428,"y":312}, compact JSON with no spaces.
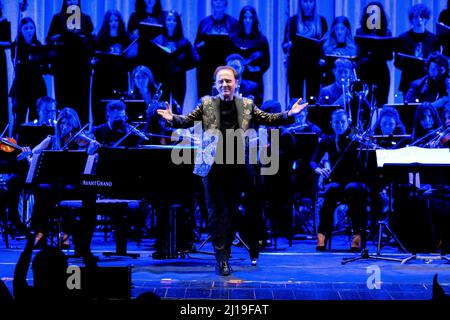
{"x":282,"y":273}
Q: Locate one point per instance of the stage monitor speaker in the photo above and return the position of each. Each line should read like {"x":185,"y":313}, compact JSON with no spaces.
{"x":106,"y":283}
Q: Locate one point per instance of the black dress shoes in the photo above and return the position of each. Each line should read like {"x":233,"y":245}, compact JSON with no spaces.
{"x":224,"y":268}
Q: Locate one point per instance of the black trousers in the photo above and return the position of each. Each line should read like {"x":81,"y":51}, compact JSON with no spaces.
{"x":223,"y":188}
{"x":354,"y":194}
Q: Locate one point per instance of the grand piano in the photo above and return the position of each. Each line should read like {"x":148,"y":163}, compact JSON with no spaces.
{"x":146,"y":173}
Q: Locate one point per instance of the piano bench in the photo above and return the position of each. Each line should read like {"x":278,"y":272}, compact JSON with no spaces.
{"x":117,"y":209}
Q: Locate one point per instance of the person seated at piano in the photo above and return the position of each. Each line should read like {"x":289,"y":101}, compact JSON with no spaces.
{"x":418,"y":42}
{"x":338,"y":42}
{"x":254,"y":47}
{"x":344,"y":180}
{"x":435,"y":86}
{"x":340,"y":93}
{"x":111,"y":69}
{"x":148,"y":11}
{"x":47,"y":111}
{"x":223,"y":182}
{"x":116,"y":132}
{"x":302,"y":124}
{"x":389,"y":123}
{"x":172,"y":71}
{"x":22,"y":94}
{"x":68,"y":136}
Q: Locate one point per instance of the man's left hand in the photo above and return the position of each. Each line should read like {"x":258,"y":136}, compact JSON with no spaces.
{"x":297,"y":107}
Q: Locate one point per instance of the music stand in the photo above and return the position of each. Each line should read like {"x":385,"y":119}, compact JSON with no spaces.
{"x":424,"y":160}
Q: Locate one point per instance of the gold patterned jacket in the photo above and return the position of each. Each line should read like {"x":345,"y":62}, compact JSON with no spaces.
{"x":208,"y":112}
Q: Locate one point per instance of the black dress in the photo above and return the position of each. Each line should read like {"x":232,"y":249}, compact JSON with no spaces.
{"x":111,"y":73}
{"x":71,"y":68}
{"x":254,"y":49}
{"x":303,"y":65}
{"x":213,"y":56}
{"x":170,"y":68}
{"x":24,"y":95}
{"x":373,"y":68}
{"x":5,"y":36}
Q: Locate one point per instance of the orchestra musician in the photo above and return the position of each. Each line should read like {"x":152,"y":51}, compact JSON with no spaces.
{"x":144,"y":88}
{"x":68,"y":136}
{"x":115,"y":131}
{"x":47,"y":111}
{"x":389,"y":123}
{"x":223,"y":183}
{"x":341,"y":93}
{"x":344,"y":179}
{"x":435,"y":86}
{"x":426,"y":120}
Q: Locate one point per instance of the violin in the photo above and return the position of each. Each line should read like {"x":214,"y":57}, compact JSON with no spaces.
{"x":9,"y":145}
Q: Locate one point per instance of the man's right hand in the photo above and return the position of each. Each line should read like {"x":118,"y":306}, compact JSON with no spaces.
{"x":166,"y":113}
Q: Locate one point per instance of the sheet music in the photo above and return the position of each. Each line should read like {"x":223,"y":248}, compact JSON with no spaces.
{"x":410,"y":155}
